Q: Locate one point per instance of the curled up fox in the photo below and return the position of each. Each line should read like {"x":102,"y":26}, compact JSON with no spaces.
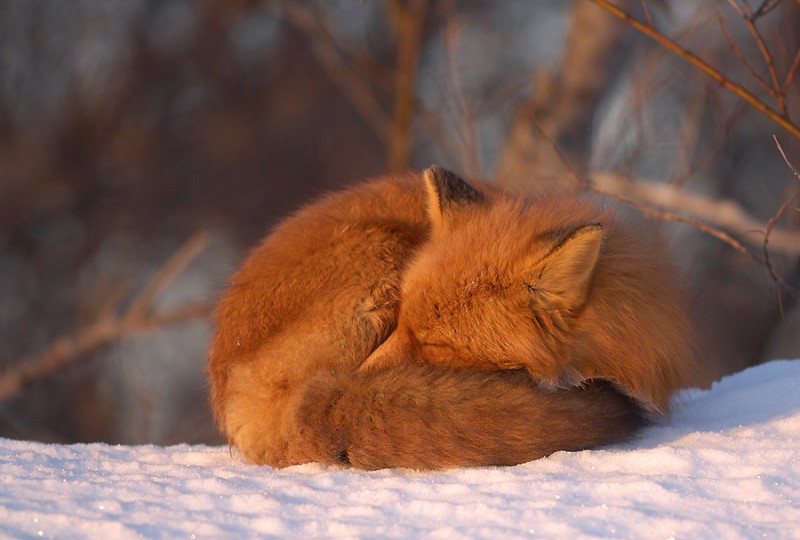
{"x":424,"y":321}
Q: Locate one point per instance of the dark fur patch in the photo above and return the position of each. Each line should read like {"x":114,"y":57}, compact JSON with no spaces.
{"x":342,"y":457}
{"x":452,"y":189}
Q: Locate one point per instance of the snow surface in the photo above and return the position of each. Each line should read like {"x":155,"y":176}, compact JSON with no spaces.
{"x":726,"y":466}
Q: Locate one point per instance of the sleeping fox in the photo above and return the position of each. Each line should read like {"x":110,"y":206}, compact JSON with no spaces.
{"x":433,"y":322}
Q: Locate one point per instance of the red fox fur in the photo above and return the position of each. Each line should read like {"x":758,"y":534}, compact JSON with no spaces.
{"x":438,"y":323}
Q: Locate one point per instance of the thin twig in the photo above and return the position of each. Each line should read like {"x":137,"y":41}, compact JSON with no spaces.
{"x":175,"y":266}
{"x":735,"y":48}
{"x":792,"y":71}
{"x":646,"y":210}
{"x":670,"y":216}
{"x":688,"y":133}
{"x":725,"y":214}
{"x":785,"y":159}
{"x":441,"y":134}
{"x":646,"y":10}
{"x":581,"y":183}
{"x":774,"y":219}
{"x":765,"y":53}
{"x":700,"y":64}
{"x":67,"y":348}
{"x":765,"y":7}
{"x":764,"y":248}
{"x":332,"y":60}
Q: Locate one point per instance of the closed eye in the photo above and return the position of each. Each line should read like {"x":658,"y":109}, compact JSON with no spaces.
{"x":437,"y":352}
{"x":440,"y":345}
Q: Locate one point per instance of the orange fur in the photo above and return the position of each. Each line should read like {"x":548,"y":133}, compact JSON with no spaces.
{"x":320,"y":293}
{"x":556,"y":285}
{"x":503,"y":317}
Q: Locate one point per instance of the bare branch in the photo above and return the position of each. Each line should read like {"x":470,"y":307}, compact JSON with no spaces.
{"x":408,"y":19}
{"x":465,"y":112}
{"x":792,"y":71}
{"x":442,"y":136}
{"x":354,"y":88}
{"x":689,"y":133}
{"x":767,"y":237}
{"x":175,"y":266}
{"x":646,"y":11}
{"x":765,"y":7}
{"x":564,"y":100}
{"x":580,"y":182}
{"x":723,"y":213}
{"x":602,"y":183}
{"x":735,"y":48}
{"x":670,"y":45}
{"x":139,"y":317}
{"x":677,"y":218}
{"x":774,"y":219}
{"x":749,"y":21}
{"x":785,"y":159}
{"x":65,"y":349}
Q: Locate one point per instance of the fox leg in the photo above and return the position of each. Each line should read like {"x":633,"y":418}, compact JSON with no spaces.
{"x":262,"y":392}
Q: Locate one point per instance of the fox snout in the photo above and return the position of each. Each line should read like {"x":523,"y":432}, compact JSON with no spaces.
{"x":401,"y":346}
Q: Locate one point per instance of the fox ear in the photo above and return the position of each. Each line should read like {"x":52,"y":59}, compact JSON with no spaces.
{"x":446,"y":190}
{"x":561,"y":280}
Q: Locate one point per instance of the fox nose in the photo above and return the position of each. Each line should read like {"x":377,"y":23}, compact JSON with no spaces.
{"x":400,"y":346}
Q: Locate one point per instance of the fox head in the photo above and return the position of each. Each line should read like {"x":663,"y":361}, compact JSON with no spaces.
{"x":552,"y":285}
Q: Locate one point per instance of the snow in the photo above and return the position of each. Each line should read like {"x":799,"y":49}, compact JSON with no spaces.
{"x":726,"y":466}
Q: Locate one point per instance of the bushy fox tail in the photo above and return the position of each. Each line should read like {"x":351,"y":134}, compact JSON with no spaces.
{"x":426,"y":416}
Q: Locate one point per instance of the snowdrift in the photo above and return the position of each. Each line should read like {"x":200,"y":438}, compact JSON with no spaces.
{"x":727,"y":465}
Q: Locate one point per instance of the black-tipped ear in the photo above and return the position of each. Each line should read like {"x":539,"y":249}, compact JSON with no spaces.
{"x":447,"y":190}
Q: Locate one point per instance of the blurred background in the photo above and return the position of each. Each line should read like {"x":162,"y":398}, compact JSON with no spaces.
{"x":145,"y":145}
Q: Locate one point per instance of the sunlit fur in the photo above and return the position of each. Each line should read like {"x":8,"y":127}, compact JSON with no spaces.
{"x":506,"y":348}
{"x":557,"y":286}
{"x":319,"y":294}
